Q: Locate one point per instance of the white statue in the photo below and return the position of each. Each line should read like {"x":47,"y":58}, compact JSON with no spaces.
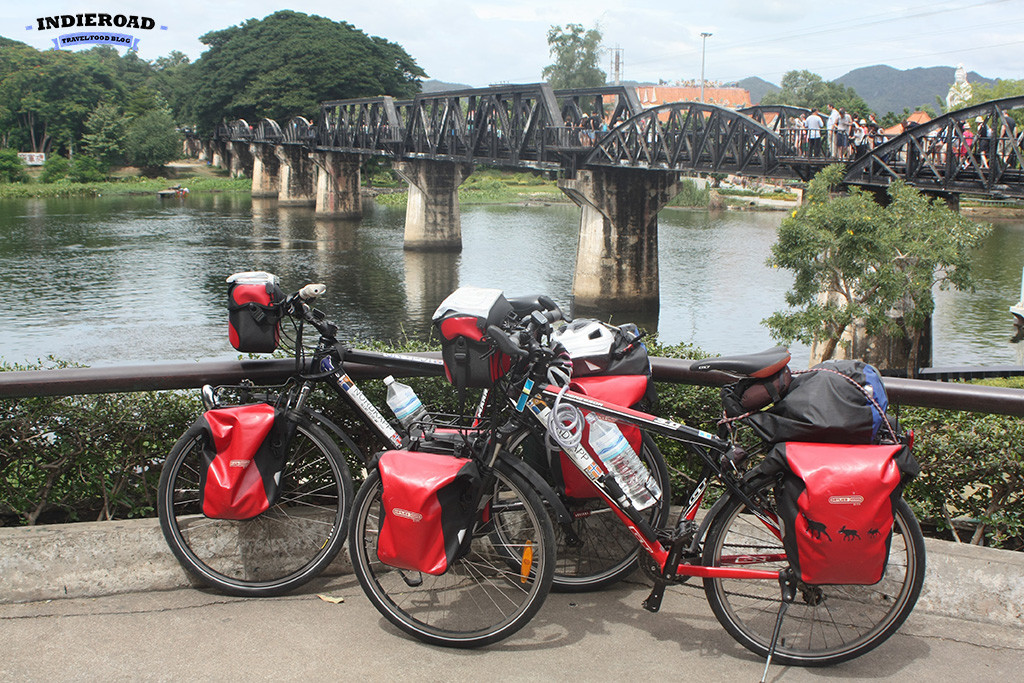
{"x":960,"y":91}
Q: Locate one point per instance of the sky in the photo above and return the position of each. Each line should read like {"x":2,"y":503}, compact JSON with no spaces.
{"x":485,"y":42}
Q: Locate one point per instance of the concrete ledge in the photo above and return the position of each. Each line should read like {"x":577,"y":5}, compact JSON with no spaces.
{"x":91,"y":559}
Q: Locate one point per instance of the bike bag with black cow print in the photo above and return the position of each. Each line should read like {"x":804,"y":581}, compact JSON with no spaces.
{"x":836,"y":506}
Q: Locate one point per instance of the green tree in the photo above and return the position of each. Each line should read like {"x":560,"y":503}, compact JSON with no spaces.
{"x":12,"y":170}
{"x":870,"y":260}
{"x":806,"y":89}
{"x":85,"y":169}
{"x":287,"y":63}
{"x":576,"y":51}
{"x":106,"y":133}
{"x":153,"y":140}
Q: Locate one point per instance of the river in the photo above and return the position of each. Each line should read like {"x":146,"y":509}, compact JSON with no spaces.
{"x":116,"y":280}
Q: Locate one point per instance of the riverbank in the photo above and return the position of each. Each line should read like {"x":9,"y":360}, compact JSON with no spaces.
{"x":131,"y":185}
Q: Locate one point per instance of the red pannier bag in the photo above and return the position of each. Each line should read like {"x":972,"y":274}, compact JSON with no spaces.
{"x":836,"y":506}
{"x":242,"y":461}
{"x":429,"y":504}
{"x":254,"y":311}
{"x":622,"y":389}
{"x":471,"y":360}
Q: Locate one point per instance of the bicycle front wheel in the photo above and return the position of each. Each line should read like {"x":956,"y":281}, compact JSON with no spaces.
{"x":280,"y":549}
{"x":603,"y":551}
{"x":826,"y":624}
{"x":486,"y":595}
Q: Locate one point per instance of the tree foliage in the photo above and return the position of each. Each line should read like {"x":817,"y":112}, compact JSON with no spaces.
{"x":872,"y":261}
{"x":287,"y":63}
{"x":806,"y":89}
{"x":152,"y":140}
{"x":12,"y":170}
{"x":576,"y":51}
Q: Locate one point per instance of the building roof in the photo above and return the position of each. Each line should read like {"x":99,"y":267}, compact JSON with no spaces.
{"x":917,"y":117}
{"x":654,"y":95}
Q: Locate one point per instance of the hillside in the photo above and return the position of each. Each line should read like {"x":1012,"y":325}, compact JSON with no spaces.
{"x":758,"y":87}
{"x":887,"y":89}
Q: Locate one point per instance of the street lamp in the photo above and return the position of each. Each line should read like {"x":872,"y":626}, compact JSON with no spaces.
{"x":703,"y":51}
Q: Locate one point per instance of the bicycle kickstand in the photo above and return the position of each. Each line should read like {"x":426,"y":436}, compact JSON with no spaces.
{"x":787,"y":582}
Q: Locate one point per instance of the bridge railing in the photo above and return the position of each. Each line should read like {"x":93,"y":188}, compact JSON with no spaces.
{"x":23,"y":384}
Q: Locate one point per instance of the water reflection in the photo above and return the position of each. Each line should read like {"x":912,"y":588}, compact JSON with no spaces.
{"x":131,"y":279}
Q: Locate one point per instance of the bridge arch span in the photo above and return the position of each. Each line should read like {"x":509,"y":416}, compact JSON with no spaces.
{"x":946,"y":155}
{"x":692,"y":136}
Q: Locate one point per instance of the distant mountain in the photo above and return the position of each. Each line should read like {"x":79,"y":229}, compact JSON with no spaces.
{"x":441,"y":86}
{"x":758,"y":88}
{"x":886,"y":89}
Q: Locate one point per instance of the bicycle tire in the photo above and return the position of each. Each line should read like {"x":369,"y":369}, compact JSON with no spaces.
{"x":481,"y":598}
{"x":280,"y":549}
{"x":607,"y":552}
{"x":826,"y":624}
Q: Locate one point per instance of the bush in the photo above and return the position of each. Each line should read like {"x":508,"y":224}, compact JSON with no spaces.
{"x":85,"y":169}
{"x":55,"y":168}
{"x":12,"y":170}
{"x":85,"y":457}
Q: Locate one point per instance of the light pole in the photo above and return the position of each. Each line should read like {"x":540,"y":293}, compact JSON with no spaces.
{"x":703,"y":51}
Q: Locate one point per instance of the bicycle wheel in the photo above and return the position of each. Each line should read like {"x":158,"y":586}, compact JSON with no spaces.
{"x":826,"y":624}
{"x":272,"y":553}
{"x":606,"y":551}
{"x":484,"y":596}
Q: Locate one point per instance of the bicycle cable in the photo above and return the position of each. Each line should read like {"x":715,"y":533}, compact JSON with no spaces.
{"x":565,"y":423}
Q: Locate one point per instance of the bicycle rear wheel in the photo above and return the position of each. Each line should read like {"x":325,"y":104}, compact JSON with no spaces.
{"x":486,"y":595}
{"x":826,"y":624}
{"x":606,"y":551}
{"x":272,"y":553}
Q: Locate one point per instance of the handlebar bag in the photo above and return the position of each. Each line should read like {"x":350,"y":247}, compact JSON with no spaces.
{"x":833,"y":402}
{"x":243,"y":456}
{"x":254,"y":312}
{"x":462,"y":319}
{"x":836,"y":505}
{"x":429,"y":506}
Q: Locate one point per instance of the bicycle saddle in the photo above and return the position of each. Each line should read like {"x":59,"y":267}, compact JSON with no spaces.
{"x":763,"y":364}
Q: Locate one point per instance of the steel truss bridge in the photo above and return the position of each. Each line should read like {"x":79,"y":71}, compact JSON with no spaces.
{"x":534,"y":126}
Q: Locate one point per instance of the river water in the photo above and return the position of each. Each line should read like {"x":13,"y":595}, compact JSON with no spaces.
{"x":138,"y":279}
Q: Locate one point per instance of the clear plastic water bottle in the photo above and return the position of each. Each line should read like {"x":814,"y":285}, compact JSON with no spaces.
{"x":612,"y":448}
{"x":404,"y":403}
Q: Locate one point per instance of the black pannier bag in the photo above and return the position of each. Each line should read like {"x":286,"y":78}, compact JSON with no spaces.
{"x":254,"y":311}
{"x":834,"y":402}
{"x":470,"y":358}
{"x":243,"y":455}
{"x":429,"y":508}
{"x":836,"y":506}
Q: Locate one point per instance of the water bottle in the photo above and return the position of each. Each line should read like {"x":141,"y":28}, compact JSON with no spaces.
{"x":612,"y":448}
{"x":404,"y":403}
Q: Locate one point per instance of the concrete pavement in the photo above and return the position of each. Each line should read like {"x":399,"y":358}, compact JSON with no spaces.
{"x":190,"y":634}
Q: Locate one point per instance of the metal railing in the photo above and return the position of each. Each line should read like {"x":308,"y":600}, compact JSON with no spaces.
{"x":154,"y":377}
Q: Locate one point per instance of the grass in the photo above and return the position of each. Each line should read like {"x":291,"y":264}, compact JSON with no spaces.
{"x":123,"y":186}
{"x":489,"y":186}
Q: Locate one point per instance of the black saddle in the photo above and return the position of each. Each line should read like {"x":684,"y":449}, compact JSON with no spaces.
{"x":760,"y":365}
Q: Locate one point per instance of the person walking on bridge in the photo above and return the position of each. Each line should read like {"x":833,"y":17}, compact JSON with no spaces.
{"x":813,"y":124}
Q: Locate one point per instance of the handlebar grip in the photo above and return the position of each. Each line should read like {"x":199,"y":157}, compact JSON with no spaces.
{"x":312,"y":291}
{"x":505,"y":342}
{"x":553,"y":312}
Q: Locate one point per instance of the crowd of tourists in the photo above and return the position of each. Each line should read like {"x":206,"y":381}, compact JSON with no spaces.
{"x":839,"y":135}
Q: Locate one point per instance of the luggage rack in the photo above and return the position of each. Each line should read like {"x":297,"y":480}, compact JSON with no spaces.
{"x":447,"y":433}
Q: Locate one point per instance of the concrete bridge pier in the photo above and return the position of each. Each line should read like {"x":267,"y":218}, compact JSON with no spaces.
{"x":205,"y":151}
{"x":241,"y":162}
{"x":266,"y":170}
{"x":296,"y":176}
{"x":337,"y":185}
{"x":432,"y":218}
{"x":219,"y":154}
{"x":617,"y":255}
